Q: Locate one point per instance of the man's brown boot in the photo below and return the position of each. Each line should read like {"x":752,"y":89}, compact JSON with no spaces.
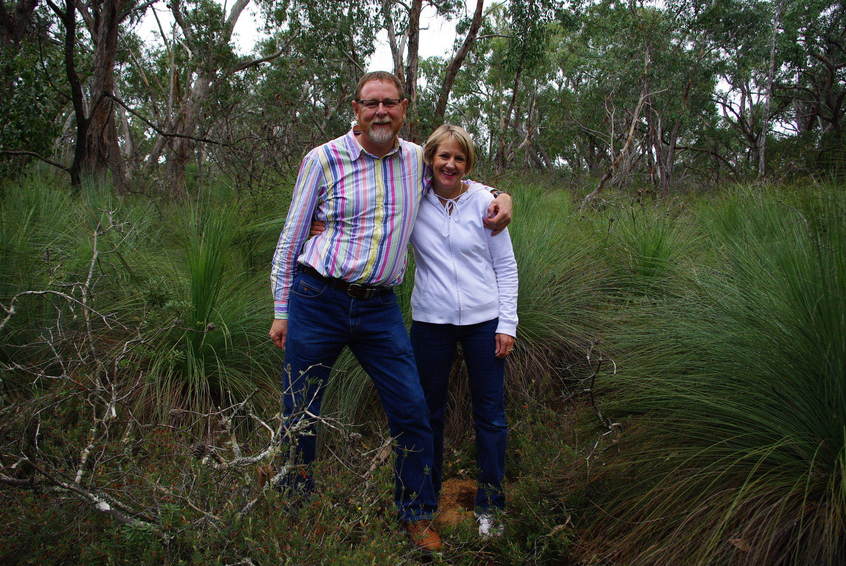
{"x":423,"y":535}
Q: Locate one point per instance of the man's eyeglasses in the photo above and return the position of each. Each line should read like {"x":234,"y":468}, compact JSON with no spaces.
{"x":373,"y":104}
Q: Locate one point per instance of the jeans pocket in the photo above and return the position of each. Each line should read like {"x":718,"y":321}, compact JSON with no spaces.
{"x":307,"y":287}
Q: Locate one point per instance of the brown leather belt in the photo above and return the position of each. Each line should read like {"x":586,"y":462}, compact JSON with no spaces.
{"x":354,"y":290}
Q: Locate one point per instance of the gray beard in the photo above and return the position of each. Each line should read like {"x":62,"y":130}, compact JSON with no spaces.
{"x":381,"y":134}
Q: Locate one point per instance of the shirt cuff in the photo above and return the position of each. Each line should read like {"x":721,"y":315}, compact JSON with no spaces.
{"x":506,"y":327}
{"x":280,"y":310}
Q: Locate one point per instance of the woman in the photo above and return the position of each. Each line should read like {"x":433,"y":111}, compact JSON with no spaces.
{"x":458,"y":265}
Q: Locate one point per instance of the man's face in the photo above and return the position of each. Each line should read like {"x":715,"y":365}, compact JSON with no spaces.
{"x":381,"y":123}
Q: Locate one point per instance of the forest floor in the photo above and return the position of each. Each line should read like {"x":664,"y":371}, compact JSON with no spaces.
{"x":456,"y":502}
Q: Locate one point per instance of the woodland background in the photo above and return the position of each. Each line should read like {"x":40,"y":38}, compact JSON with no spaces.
{"x":678,"y":393}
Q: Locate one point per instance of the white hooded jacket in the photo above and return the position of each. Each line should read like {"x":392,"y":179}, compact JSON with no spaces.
{"x":463,"y":275}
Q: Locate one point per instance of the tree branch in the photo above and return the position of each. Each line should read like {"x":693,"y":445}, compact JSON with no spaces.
{"x":37,"y":156}
{"x":232,"y":19}
{"x":457,"y":61}
{"x":247,"y":64}
{"x":138,"y":8}
{"x":712,"y":153}
{"x":159,"y":130}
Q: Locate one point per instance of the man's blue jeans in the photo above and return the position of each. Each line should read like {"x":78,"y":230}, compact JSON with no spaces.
{"x":435,"y":348}
{"x":321,"y":321}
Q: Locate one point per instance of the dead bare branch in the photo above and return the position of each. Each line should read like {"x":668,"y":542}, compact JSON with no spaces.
{"x":35,"y":155}
{"x":157,"y":129}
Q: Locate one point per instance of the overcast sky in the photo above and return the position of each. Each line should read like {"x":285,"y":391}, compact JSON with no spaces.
{"x":436,"y":37}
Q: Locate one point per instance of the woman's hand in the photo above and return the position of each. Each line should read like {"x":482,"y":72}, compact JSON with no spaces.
{"x":317,"y":228}
{"x":504,"y":345}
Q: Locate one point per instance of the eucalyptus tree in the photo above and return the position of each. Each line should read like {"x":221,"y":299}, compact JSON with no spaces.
{"x":813,"y":84}
{"x":89,"y":33}
{"x":749,"y":38}
{"x":96,"y":147}
{"x":401,"y":22}
{"x":472,"y":26}
{"x":477,"y":90}
{"x":640,"y":88}
{"x":210,"y":102}
{"x":31,"y":101}
{"x":200,"y":64}
{"x":681,"y":79}
{"x":302,"y":98}
{"x":488,"y":92}
{"x":781,"y":74}
{"x":528,"y":33}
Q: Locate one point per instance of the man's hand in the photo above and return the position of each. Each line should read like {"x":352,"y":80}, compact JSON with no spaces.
{"x":279,"y":332}
{"x":504,"y":345}
{"x":499,"y":214}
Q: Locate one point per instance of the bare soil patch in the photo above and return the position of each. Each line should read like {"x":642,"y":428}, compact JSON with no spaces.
{"x":456,"y":502}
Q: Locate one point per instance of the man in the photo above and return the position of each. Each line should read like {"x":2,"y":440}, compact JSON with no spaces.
{"x":336,"y":289}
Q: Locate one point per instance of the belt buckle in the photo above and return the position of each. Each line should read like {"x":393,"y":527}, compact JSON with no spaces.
{"x":359,"y":291}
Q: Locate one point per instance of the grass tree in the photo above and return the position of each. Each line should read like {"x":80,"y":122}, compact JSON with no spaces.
{"x":740,"y":387}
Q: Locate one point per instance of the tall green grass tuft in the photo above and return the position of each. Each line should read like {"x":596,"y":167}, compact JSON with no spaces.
{"x":209,"y":318}
{"x":742,"y":384}
{"x":646,"y":246}
{"x":64,"y":248}
{"x":563,"y":283}
{"x":37,"y":225}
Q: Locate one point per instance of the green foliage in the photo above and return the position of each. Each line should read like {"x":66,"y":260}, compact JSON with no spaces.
{"x":46,"y":244}
{"x":32,"y":111}
{"x":646,"y":245}
{"x":562,"y":290}
{"x":742,"y":376}
{"x":209,"y":319}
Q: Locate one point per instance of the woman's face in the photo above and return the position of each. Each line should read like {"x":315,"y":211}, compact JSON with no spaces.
{"x":448,"y":166}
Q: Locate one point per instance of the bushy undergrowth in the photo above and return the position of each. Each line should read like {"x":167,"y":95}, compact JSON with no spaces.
{"x":209,"y":343}
{"x":145,"y":372}
{"x":158,"y":333}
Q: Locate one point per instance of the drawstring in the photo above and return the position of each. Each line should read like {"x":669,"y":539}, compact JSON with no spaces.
{"x":448,"y":207}
{"x":449,"y":204}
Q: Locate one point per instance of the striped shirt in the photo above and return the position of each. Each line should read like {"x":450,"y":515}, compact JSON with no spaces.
{"x":368,"y":205}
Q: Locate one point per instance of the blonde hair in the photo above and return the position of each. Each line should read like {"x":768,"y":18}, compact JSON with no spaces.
{"x":457,"y":133}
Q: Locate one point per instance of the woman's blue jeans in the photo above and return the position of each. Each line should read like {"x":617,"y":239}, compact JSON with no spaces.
{"x":434,"y":349}
{"x":321,"y":321}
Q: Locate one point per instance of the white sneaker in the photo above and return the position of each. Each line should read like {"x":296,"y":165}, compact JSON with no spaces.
{"x":488,"y":526}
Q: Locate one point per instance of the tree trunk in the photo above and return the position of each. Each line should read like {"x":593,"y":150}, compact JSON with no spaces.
{"x":455,"y":65}
{"x":68,"y":19}
{"x":623,"y":159}
{"x":181,"y":147}
{"x":96,"y":148}
{"x":13,"y":26}
{"x":396,"y":48}
{"x":505,"y":124}
{"x":665,"y":150}
{"x":129,"y":147}
{"x":765,"y":119}
{"x":102,"y":151}
{"x":411,"y":67}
